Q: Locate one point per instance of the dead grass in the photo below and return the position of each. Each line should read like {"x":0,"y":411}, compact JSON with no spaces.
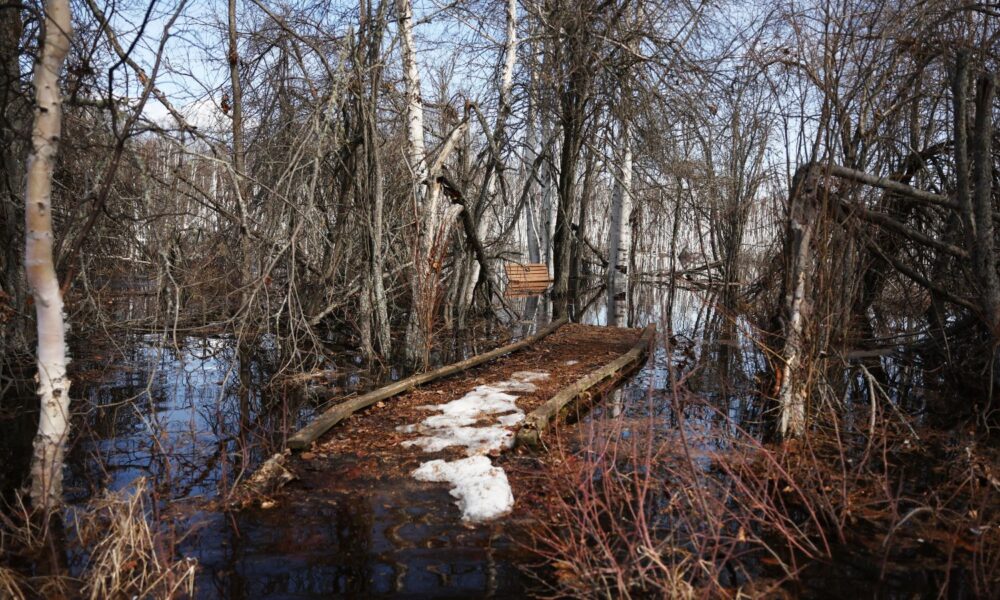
{"x":128,"y":553}
{"x":671,"y":512}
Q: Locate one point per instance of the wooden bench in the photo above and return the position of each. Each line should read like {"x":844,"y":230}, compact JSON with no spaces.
{"x":528,"y":275}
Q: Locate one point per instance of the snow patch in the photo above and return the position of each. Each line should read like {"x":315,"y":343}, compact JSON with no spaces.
{"x":482,"y":490}
{"x":570,"y":363}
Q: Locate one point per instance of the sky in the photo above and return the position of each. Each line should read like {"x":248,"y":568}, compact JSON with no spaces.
{"x":194,"y":73}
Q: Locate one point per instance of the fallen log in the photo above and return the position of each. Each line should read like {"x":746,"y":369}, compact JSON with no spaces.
{"x":539,"y":420}
{"x":321,"y":424}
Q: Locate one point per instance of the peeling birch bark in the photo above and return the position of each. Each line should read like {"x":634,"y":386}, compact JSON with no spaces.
{"x":414,"y":105}
{"x":53,"y":384}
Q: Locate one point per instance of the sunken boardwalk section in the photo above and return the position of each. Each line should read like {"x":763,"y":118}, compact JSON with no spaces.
{"x":355,"y":521}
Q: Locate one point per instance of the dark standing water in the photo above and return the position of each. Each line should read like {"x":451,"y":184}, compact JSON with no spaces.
{"x":194,"y":417}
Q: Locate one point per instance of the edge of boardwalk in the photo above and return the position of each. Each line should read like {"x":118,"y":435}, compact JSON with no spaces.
{"x":539,"y":419}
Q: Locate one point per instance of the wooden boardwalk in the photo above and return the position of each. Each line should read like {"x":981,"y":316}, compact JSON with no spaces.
{"x":575,"y":358}
{"x":353,"y":491}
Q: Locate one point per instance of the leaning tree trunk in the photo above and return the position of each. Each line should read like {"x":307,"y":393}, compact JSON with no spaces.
{"x":480,"y":268}
{"x":53,"y":385}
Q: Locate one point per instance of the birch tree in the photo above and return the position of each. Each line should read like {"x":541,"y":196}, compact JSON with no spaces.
{"x":432,"y":222}
{"x":53,"y":384}
{"x":621,"y":202}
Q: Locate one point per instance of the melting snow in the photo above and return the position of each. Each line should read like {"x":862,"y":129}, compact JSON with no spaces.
{"x":482,"y":490}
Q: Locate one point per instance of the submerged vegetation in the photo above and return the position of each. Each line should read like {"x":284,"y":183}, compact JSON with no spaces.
{"x":230,"y":220}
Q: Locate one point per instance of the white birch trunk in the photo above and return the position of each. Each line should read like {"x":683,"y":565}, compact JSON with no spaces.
{"x":619,"y":237}
{"x":379,"y":299}
{"x":414,"y":104}
{"x":425,"y":211}
{"x":510,"y":58}
{"x":53,"y":385}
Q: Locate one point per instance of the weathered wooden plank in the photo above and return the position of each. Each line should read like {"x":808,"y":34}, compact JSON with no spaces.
{"x":539,"y":419}
{"x":527,"y":273}
{"x":321,"y":424}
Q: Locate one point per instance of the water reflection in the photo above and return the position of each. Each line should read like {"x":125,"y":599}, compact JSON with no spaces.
{"x":194,"y":416}
{"x":351,"y":531}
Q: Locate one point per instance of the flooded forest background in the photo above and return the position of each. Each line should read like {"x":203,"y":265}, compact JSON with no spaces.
{"x":258,"y":209}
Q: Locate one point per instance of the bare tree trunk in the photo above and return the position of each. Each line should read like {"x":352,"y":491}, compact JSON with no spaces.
{"x":960,"y":91}
{"x":562,"y":241}
{"x":414,"y":105}
{"x":425,"y":213}
{"x":982,"y":175}
{"x":620,"y":210}
{"x":510,"y":59}
{"x":479,"y":268}
{"x":13,"y":109}
{"x":433,"y":223}
{"x":239,"y":156}
{"x":578,"y":269}
{"x":800,"y":273}
{"x":546,"y":207}
{"x":531,"y":229}
{"x":379,"y":299}
{"x":53,"y":384}
{"x":531,"y":154}
{"x":376,"y":335}
{"x":975,"y":197}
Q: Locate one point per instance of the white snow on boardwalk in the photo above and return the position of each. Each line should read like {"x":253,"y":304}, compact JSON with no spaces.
{"x":481,"y":490}
{"x":480,"y":421}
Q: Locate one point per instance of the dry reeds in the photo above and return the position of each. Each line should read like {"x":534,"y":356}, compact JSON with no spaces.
{"x":701,"y":507}
{"x":126,"y":553}
{"x":131,"y":555}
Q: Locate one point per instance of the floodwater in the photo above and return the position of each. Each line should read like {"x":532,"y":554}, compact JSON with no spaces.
{"x":194,"y":417}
